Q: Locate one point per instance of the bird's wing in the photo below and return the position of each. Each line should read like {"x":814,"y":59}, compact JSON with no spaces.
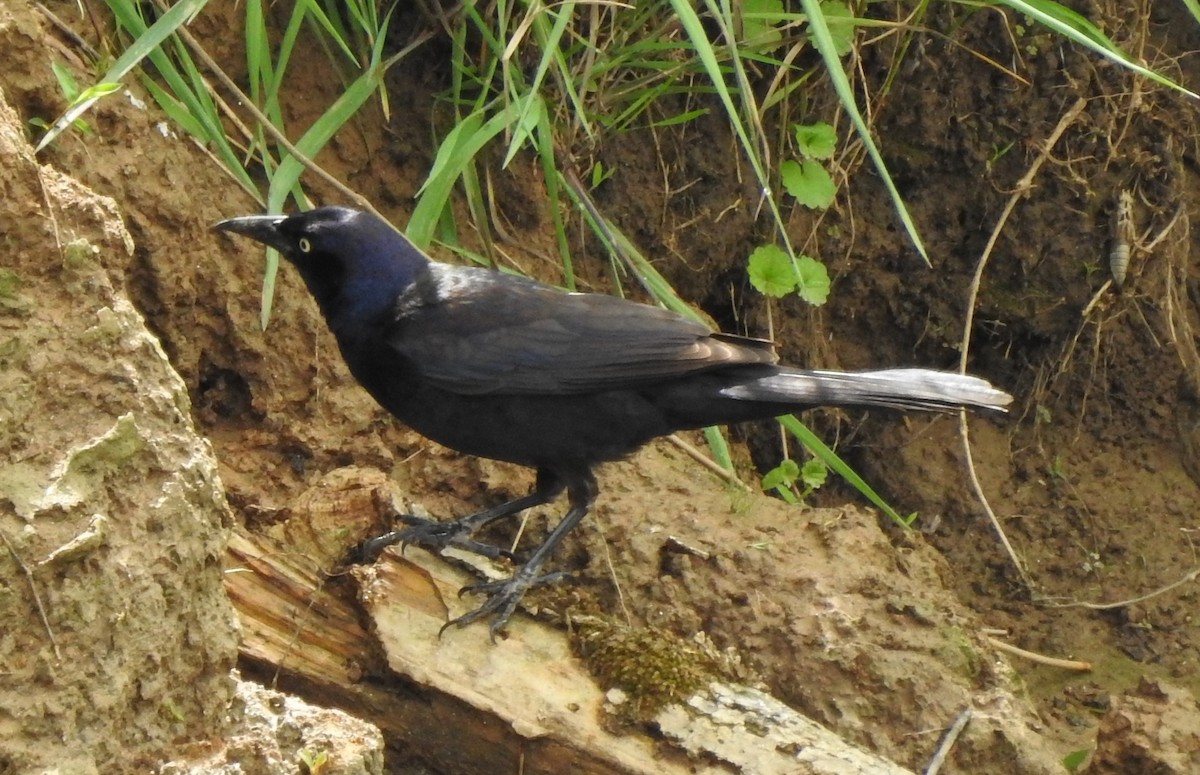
{"x":480,"y":332}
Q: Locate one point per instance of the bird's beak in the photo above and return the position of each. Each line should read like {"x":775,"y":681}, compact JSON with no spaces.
{"x":264,"y":228}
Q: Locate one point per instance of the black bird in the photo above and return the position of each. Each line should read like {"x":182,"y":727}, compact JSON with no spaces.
{"x":507,"y":368}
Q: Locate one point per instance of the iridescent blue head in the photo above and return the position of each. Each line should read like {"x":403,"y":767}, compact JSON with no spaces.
{"x":354,"y":263}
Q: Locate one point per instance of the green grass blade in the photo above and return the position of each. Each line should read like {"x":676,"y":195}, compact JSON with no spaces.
{"x":549,"y":48}
{"x":459,"y":148}
{"x":178,"y":15}
{"x":477,"y":206}
{"x":332,"y":28}
{"x":261,"y":73}
{"x":66,"y":81}
{"x":1071,"y":25}
{"x":200,"y":106}
{"x":258,"y":49}
{"x":287,"y":44}
{"x":551,"y":43}
{"x":831,"y":459}
{"x":445,"y":171}
{"x":821,"y":37}
{"x":287,"y":175}
{"x":719,"y":446}
{"x":175,"y":110}
{"x":531,"y":108}
{"x":708,"y":58}
{"x":200,"y":102}
{"x":324,"y":128}
{"x":1193,"y":7}
{"x":553,"y":178}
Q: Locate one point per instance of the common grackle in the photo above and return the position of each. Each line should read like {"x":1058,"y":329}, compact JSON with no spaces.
{"x":507,"y":368}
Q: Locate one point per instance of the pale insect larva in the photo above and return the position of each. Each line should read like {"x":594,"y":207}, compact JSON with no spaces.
{"x":1118,"y":262}
{"x":1118,"y":257}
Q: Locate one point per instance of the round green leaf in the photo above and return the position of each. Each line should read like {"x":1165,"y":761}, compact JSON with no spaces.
{"x":771,"y":271}
{"x":816,"y":141}
{"x":814,"y":280}
{"x":809,"y":182}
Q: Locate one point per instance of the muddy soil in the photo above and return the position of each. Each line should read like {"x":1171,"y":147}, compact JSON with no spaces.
{"x":1093,"y":476}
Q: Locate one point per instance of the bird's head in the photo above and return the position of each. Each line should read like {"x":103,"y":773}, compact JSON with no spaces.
{"x":352,"y":261}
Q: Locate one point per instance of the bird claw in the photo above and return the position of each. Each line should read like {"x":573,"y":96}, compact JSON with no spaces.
{"x":439,"y":535}
{"x":368,"y":551}
{"x":503,"y":597}
{"x":432,"y":535}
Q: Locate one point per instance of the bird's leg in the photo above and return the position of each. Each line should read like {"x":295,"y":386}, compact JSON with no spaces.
{"x":435,"y":535}
{"x":504,"y":595}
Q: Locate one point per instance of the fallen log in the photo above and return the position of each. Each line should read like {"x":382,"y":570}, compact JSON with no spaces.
{"x":524,"y":704}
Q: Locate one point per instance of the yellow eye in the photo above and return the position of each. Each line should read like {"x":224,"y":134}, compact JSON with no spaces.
{"x":305,"y":245}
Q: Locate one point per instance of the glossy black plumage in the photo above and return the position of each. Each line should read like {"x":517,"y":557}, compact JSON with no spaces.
{"x":507,"y":368}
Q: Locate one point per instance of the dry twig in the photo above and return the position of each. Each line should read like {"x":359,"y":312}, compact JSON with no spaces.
{"x":37,"y":599}
{"x":939,"y":758}
{"x":1041,"y":659}
{"x":707,"y":462}
{"x":1190,"y":576}
{"x":1024,"y":185}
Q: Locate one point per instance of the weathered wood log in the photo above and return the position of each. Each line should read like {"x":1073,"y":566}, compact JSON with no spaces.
{"x":523,"y":704}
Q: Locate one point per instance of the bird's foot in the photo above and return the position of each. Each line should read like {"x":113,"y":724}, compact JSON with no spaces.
{"x":431,"y":534}
{"x":439,"y":535}
{"x":503,"y":597}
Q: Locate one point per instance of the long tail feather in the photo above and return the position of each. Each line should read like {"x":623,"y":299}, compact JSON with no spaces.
{"x":897,"y":388}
